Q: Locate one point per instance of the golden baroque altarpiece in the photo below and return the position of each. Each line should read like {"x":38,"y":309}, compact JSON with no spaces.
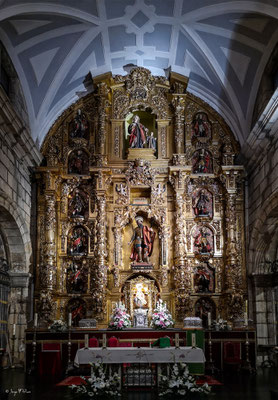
{"x":139,"y":198}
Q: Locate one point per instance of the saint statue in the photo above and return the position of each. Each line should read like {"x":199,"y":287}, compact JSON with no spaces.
{"x":142,"y":239}
{"x":202,"y":243}
{"x":79,"y":126}
{"x":137,"y":133}
{"x":200,"y":204}
{"x":77,"y":206}
{"x":151,"y":141}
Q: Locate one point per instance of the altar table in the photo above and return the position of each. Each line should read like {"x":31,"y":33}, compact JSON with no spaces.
{"x":140,"y":355}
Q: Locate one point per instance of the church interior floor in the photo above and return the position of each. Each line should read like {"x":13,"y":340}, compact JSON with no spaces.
{"x":16,"y":385}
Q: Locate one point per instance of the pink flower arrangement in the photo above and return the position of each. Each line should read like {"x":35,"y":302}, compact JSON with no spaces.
{"x":120,"y":319}
{"x":161,"y":318}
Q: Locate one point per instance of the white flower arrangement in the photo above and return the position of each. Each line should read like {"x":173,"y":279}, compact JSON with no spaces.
{"x":58,"y":326}
{"x":98,"y":385}
{"x":161,"y":318}
{"x":120,"y":318}
{"x":180,"y":384}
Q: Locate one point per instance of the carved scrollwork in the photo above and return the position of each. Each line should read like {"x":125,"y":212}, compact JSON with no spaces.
{"x":139,"y":172}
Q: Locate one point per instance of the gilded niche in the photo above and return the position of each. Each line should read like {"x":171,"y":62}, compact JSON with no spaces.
{"x":139,"y":199}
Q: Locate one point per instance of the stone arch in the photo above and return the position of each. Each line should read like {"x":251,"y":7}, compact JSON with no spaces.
{"x":261,"y":232}
{"x":15,"y":232}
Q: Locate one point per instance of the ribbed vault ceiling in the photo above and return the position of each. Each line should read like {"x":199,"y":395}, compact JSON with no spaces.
{"x":223,"y":46}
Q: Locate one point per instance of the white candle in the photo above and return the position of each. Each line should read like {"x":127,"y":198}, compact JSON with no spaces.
{"x":86,"y":341}
{"x":70,"y":319}
{"x":14,"y":326}
{"x":177,"y":340}
{"x":36,"y":320}
{"x":209,"y":319}
{"x":104,"y":340}
{"x":193,"y":339}
{"x":246,"y":306}
{"x":245,"y":319}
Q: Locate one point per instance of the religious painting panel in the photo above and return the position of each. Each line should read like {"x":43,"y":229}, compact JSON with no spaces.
{"x":78,"y":162}
{"x":202,"y":162}
{"x":202,"y":240}
{"x":78,"y":204}
{"x":78,"y":241}
{"x":77,"y":277}
{"x":203,"y":306}
{"x":78,"y":309}
{"x":79,"y":127}
{"x":202,"y":203}
{"x":201,"y":127}
{"x":204,"y":278}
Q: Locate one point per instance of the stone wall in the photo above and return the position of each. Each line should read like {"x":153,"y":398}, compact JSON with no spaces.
{"x":18,"y":155}
{"x":261,"y":152}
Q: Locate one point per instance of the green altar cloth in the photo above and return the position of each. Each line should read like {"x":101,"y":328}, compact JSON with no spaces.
{"x":162,"y":342}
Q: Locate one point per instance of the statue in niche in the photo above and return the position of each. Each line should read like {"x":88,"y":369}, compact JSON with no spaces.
{"x":77,"y":278}
{"x":137,"y":133}
{"x":203,"y":241}
{"x":151,"y":141}
{"x":79,"y":127}
{"x":77,"y":308}
{"x":202,"y":162}
{"x":78,"y":243}
{"x":204,"y":306}
{"x":77,"y":205}
{"x":204,"y":279}
{"x":142,"y":239}
{"x":140,"y":306}
{"x":202,"y":203}
{"x":78,"y":162}
{"x":200,"y":126}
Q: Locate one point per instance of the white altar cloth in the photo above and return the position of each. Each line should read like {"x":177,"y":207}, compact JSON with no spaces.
{"x":119,"y":355}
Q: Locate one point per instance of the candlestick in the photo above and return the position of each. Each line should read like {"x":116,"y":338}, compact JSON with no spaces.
{"x":104,"y":340}
{"x":36,"y":320}
{"x":70,"y":319}
{"x":209,"y":319}
{"x":14,"y":327}
{"x":193,"y":339}
{"x":246,"y":306}
{"x":86,"y":341}
{"x":177,"y":340}
{"x":245,"y":319}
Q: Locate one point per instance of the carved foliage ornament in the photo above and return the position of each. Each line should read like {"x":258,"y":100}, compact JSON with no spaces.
{"x":139,"y":173}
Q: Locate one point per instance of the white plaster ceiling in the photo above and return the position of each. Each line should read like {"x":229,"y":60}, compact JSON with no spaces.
{"x":222,"y":45}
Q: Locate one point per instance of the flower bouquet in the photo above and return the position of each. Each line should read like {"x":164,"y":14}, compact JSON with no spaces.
{"x":120,"y":318}
{"x":179,"y":384}
{"x":98,"y":385}
{"x":161,"y":318}
{"x":58,"y":326}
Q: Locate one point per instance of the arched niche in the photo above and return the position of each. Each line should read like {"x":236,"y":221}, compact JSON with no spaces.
{"x":128,"y":232}
{"x":202,"y":203}
{"x":202,"y":162}
{"x":78,"y":204}
{"x":78,"y":162}
{"x":200,"y":127}
{"x":148,"y":120}
{"x":140,"y":293}
{"x":78,"y":309}
{"x":202,"y":307}
{"x":78,"y":241}
{"x":79,"y":127}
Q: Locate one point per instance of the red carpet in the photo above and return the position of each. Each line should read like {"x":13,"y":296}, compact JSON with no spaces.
{"x":76,"y":380}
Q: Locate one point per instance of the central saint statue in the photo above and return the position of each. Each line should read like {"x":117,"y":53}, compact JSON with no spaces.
{"x":142,"y":239}
{"x":137,"y":133}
